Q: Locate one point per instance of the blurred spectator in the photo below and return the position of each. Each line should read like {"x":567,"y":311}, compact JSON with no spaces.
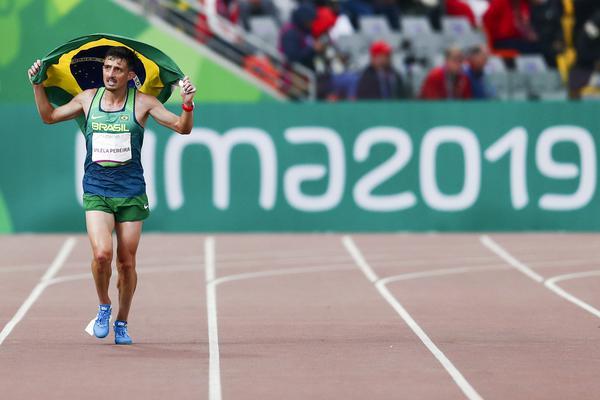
{"x":324,"y":20}
{"x":432,"y":9}
{"x":210,"y":27}
{"x":379,"y":81}
{"x":390,"y":10}
{"x":587,"y":45}
{"x":479,"y":7}
{"x":507,"y":23}
{"x":297,"y":43}
{"x":253,"y":8}
{"x":355,"y":9}
{"x":477,"y":58}
{"x":546,"y":21}
{"x":448,"y":81}
{"x":460,"y":8}
{"x":228,"y":9}
{"x":334,"y":82}
{"x":358,"y":8}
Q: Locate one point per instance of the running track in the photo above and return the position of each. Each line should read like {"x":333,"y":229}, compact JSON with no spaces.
{"x":499,"y":316}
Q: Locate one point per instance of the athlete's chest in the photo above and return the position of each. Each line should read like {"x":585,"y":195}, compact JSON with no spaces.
{"x":115,"y":121}
{"x":114,"y":117}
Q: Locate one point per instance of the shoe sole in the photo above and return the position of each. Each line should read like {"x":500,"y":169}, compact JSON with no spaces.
{"x":101,"y":337}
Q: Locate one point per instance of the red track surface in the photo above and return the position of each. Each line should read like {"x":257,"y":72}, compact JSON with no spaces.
{"x":307,"y":317}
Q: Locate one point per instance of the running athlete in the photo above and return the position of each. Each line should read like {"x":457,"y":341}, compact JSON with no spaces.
{"x":114,"y":188}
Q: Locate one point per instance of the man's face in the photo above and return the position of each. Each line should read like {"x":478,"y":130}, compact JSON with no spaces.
{"x":116,"y":73}
{"x":479,"y":60}
{"x":380,"y":61}
{"x":454,"y":62}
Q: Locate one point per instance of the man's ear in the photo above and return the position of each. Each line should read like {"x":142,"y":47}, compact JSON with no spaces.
{"x":130,"y":75}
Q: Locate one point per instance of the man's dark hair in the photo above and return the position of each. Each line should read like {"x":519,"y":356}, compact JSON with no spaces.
{"x":474,"y":50}
{"x":123,"y":53}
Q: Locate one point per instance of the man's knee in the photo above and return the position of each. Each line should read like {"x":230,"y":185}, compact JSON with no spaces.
{"x":125,"y":265}
{"x":103,"y":255}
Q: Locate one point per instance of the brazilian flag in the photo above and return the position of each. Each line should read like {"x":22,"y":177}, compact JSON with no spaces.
{"x":77,"y":65}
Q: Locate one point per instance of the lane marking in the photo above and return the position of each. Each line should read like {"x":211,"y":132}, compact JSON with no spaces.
{"x":214,"y":363}
{"x":359,"y":259}
{"x":440,"y":272}
{"x":37,"y":291}
{"x":456,"y":375}
{"x":549,"y":283}
{"x":142,"y":271}
{"x":506,"y":256}
{"x":278,"y":272}
{"x":23,"y":268}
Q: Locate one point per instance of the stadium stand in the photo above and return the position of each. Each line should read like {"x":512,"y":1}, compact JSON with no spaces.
{"x":520,"y":66}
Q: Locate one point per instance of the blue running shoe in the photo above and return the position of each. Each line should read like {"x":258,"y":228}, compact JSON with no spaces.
{"x":101,"y":325}
{"x":121,"y":335}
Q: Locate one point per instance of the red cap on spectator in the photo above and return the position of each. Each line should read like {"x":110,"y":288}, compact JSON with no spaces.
{"x":380,"y":48}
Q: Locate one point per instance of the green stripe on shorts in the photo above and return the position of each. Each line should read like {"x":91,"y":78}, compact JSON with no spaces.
{"x":125,"y":209}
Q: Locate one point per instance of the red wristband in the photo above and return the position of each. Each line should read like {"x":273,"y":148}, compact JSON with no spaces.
{"x":187,"y":108}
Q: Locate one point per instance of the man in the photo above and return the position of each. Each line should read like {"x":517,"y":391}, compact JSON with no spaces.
{"x":508,"y":25}
{"x":477,"y":58}
{"x":379,"y":81}
{"x":587,"y":45}
{"x":296,"y":41}
{"x":546,"y":20}
{"x":114,"y":188}
{"x":448,"y":81}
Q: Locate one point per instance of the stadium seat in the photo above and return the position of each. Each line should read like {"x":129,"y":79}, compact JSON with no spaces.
{"x":416,"y":26}
{"x":534,"y":76}
{"x":424,"y":42}
{"x":285,"y":8}
{"x":353,"y":45}
{"x":531,"y":64}
{"x":374,"y":26}
{"x":495,"y":65}
{"x":499,"y":77}
{"x":457,"y":31}
{"x":361,"y":62}
{"x":437,"y":60}
{"x":455,"y":27}
{"x":416,"y":74}
{"x":266,"y":29}
{"x":399,"y":63}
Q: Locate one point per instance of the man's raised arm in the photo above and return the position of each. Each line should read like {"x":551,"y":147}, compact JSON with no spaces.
{"x":48,"y":113}
{"x":183,"y":123}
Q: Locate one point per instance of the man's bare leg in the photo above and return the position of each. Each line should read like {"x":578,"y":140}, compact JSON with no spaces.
{"x":128,"y":238}
{"x":100,"y":226}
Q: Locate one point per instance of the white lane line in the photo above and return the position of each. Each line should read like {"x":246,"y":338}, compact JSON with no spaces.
{"x":551,"y":284}
{"x":278,"y":272}
{"x":214,"y":363}
{"x":22,"y":268}
{"x":456,"y":375}
{"x":359,"y":259}
{"x":56,"y":265}
{"x":506,"y":256}
{"x":141,"y":271}
{"x":440,"y":272}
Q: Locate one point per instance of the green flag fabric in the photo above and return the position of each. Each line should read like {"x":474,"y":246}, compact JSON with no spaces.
{"x":77,"y":65}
